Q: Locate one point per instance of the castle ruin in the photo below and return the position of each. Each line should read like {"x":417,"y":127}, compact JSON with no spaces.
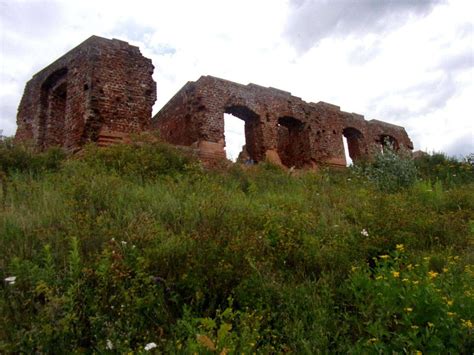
{"x":103,"y":90}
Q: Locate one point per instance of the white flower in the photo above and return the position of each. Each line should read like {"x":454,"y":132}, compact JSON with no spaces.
{"x":10,"y":280}
{"x":109,"y":346}
{"x":150,"y":346}
{"x":123,"y":242}
{"x":364,"y":232}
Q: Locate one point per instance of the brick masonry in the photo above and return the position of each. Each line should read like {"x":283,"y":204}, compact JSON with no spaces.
{"x":103,"y":90}
{"x":278,"y":126}
{"x":100,"y":87}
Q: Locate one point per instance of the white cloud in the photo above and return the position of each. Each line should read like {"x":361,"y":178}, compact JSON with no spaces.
{"x":406,"y":62}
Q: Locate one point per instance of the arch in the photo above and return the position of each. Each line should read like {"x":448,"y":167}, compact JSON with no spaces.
{"x":354,"y":139}
{"x":293,"y":142}
{"x":387,"y":141}
{"x":53,"y":104}
{"x":253,"y":149}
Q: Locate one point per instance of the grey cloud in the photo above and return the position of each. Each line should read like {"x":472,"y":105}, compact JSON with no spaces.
{"x":132,"y":30}
{"x":31,"y":18}
{"x":461,"y":146}
{"x":310,"y":21}
{"x":8,"y":108}
{"x":459,"y":61}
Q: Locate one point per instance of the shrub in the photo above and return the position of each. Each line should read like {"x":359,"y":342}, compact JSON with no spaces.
{"x":390,"y":170}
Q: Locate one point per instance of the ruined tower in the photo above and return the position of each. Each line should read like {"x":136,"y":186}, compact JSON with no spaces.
{"x":101,"y":89}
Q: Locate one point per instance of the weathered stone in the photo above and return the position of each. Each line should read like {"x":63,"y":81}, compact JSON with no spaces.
{"x":101,"y":87}
{"x":103,"y":90}
{"x":278,"y":126}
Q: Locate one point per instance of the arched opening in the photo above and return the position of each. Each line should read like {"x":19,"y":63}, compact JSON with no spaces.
{"x":234,"y":132}
{"x":351,"y":139}
{"x":293,"y":142}
{"x":53,"y":104}
{"x":386,"y":141}
{"x":242,"y":135}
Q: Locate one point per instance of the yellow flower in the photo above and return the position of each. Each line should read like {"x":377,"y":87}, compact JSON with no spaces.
{"x":451,"y":314}
{"x":395,"y":274}
{"x":408,"y":309}
{"x":354,"y":268}
{"x":467,"y":323}
{"x":418,"y":352}
{"x":449,"y":302}
{"x":405,"y":280}
{"x":410,"y":267}
{"x":400,"y":247}
{"x":445,"y":269}
{"x":384,"y":257}
{"x":431,"y":325}
{"x":415,"y":282}
{"x":432,"y":274}
{"x":380,"y":277}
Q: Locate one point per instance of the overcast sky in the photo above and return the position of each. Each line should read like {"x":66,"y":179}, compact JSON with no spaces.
{"x":408,"y":62}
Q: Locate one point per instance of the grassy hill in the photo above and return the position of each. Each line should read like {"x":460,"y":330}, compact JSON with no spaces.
{"x":128,"y":247}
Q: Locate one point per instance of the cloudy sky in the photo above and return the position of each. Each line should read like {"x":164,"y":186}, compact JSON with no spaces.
{"x":408,"y":62}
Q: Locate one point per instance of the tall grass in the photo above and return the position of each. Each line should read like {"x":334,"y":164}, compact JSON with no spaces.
{"x":130,"y":245}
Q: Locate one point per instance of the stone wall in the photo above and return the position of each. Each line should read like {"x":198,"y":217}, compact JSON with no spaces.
{"x":100,"y":86}
{"x":278,"y":126}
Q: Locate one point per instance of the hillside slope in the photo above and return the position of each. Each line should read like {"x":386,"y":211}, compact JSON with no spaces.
{"x":128,"y":247}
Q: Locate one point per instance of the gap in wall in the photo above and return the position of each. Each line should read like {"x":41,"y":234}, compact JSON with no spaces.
{"x":234,"y":132}
{"x":346,"y":151}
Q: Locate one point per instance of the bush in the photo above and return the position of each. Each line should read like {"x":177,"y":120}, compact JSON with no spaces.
{"x":446,"y":170}
{"x":21,"y":158}
{"x":390,"y":170}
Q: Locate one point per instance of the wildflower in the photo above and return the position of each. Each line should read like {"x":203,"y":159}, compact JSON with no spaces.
{"x":408,"y":309}
{"x":10,"y":280}
{"x":354,"y":268}
{"x":449,"y":302}
{"x":400,"y":247}
{"x":395,"y":274}
{"x":445,"y":269}
{"x":364,"y":232}
{"x":414,"y":327}
{"x":431,"y":325}
{"x":451,"y":314}
{"x":384,"y":257}
{"x":380,"y":277}
{"x":405,"y":280}
{"x":372,"y":340}
{"x":415,"y":282}
{"x":123,"y":242}
{"x":410,"y":267}
{"x":206,"y":342}
{"x":467,"y":324}
{"x":150,"y":346}
{"x":418,"y":352}
{"x":432,"y":274}
{"x":109,"y":346}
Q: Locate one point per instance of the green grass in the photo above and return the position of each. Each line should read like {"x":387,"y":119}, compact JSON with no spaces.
{"x":129,"y":245}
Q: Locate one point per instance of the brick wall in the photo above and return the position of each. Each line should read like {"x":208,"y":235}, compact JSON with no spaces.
{"x":278,"y":126}
{"x":100,"y":85}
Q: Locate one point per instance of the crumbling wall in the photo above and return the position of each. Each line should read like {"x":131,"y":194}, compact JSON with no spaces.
{"x":278,"y":126}
{"x":99,"y":86}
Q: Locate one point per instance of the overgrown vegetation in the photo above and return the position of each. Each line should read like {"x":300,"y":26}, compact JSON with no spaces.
{"x":137,"y":248}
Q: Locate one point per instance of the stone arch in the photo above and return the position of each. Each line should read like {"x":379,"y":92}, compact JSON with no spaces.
{"x":253,"y":132}
{"x":293,"y":142}
{"x":354,"y":142}
{"x":386,"y":140}
{"x":53,"y":105}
